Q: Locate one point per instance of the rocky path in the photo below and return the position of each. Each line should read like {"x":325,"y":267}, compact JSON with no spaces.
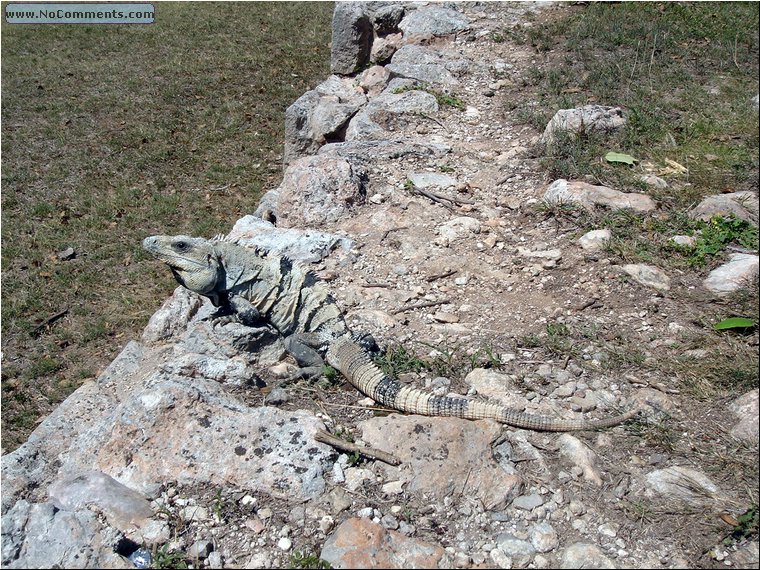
{"x":424,"y":212}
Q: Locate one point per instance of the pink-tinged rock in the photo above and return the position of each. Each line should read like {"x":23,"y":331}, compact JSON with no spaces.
{"x":743,"y":205}
{"x":318,"y":189}
{"x":361,"y":543}
{"x":587,"y":195}
{"x":443,"y":456}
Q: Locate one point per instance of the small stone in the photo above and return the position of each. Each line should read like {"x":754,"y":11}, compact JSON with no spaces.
{"x":500,"y":559}
{"x":284,"y":543}
{"x":365,"y":513}
{"x":200,"y":549}
{"x":685,"y":241}
{"x":444,"y":317}
{"x":393,"y":488}
{"x":609,"y":529}
{"x":194,"y":513}
{"x":67,"y":254}
{"x":595,"y":240}
{"x":655,"y":181}
{"x":265,"y":513}
{"x":528,"y":502}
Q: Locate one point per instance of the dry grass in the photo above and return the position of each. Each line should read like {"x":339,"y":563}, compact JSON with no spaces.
{"x":112,"y":133}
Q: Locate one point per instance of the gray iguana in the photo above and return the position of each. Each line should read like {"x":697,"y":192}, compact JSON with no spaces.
{"x":258,"y":289}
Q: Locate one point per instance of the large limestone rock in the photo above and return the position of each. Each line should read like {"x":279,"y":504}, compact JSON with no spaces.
{"x":743,"y":205}
{"x":361,"y":543}
{"x":318,"y":189}
{"x":320,"y":116}
{"x":738,"y":273}
{"x":351,"y":38}
{"x":441,"y":456}
{"x":435,"y":21}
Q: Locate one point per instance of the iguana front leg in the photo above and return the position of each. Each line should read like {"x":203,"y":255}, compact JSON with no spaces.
{"x":238,"y":309}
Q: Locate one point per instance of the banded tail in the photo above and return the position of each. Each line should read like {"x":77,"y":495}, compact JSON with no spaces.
{"x":355,"y":364}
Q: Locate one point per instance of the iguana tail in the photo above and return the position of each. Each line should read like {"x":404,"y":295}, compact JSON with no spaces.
{"x":355,"y":364}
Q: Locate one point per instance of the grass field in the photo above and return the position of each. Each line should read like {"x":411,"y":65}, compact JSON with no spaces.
{"x":685,"y":73}
{"x":113,"y":133}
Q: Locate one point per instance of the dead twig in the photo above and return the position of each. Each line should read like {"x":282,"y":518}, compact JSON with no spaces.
{"x":324,"y":437}
{"x":420,"y":306}
{"x":448,"y":273}
{"x":50,"y":320}
{"x":440,"y":198}
{"x":376,"y":285}
{"x":386,"y":232}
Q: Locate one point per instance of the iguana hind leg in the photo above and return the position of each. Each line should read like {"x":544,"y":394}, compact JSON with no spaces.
{"x":304,"y":348}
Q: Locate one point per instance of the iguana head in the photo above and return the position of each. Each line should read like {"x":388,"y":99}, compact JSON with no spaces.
{"x":193,"y":261}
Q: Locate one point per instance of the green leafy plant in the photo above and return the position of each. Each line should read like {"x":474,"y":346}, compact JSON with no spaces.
{"x":746,"y":526}
{"x":354,"y":459}
{"x":719,"y":232}
{"x":398,"y":359}
{"x":307,"y":560}
{"x":162,"y":558}
{"x":329,"y":373}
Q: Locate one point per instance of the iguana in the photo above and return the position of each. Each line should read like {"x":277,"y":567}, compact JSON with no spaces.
{"x":257,"y":289}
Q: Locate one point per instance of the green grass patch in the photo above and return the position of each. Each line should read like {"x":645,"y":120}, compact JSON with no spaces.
{"x":684,"y":73}
{"x":301,"y":559}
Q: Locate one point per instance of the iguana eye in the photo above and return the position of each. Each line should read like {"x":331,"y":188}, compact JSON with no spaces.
{"x":181,"y":246}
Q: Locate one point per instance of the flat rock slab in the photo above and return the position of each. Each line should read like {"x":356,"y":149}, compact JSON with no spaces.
{"x":648,"y":276}
{"x":590,"y":118}
{"x":587,"y":195}
{"x":432,"y":179}
{"x":191,"y":432}
{"x":121,"y":505}
{"x":685,"y":485}
{"x":42,"y":535}
{"x":434,"y":20}
{"x":318,"y":189}
{"x":445,"y":456}
{"x":746,"y":409}
{"x":368,"y":150}
{"x":361,"y":543}
{"x":309,"y":246}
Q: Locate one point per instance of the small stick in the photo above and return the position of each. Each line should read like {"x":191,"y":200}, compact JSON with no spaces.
{"x":440,"y":198}
{"x":386,"y":232}
{"x":420,"y":306}
{"x":376,"y":285}
{"x":324,"y":437}
{"x":50,"y":320}
{"x":430,"y":278}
